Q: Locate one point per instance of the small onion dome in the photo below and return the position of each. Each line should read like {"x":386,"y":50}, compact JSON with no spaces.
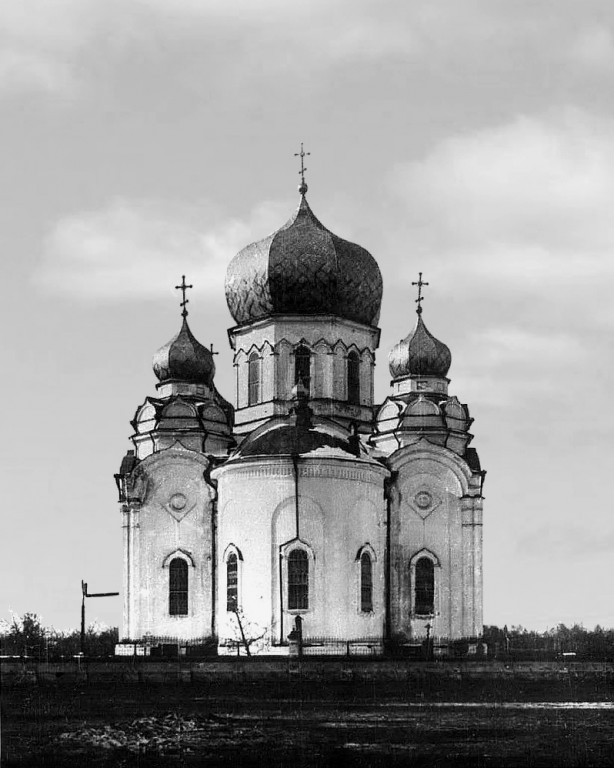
{"x":184,"y":359}
{"x":304,"y":269}
{"x":419,"y":354}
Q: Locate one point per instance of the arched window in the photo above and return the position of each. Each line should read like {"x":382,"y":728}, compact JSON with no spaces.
{"x":178,"y":587}
{"x":366,"y":583}
{"x":253,"y":379}
{"x":298,"y":580}
{"x":302,"y":367}
{"x":424,"y":587}
{"x":232,"y":582}
{"x":353,"y":369}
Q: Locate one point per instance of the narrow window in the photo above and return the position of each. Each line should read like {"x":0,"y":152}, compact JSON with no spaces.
{"x":302,"y":367}
{"x":178,"y":587}
{"x":232,"y":582}
{"x":253,"y":379}
{"x":298,"y":580}
{"x":424,"y":597}
{"x":353,"y":365}
{"x":366,"y":583}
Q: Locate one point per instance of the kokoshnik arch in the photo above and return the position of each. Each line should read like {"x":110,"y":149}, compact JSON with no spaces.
{"x":307,"y":499}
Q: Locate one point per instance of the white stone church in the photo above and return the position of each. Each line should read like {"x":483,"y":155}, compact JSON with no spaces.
{"x":307,"y":499}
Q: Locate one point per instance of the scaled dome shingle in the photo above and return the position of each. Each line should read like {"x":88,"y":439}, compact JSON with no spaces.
{"x":304,"y":269}
{"x":184,"y":358}
{"x":419,"y":354}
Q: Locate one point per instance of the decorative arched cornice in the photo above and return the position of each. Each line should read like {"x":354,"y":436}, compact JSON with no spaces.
{"x":232,"y":549}
{"x":367,"y":354}
{"x":296,"y":543}
{"x":424,"y":552}
{"x":366,"y":547}
{"x":422,"y":449}
{"x":322,"y":345}
{"x":283,"y":343}
{"x":182,"y":554}
{"x":169,"y":455}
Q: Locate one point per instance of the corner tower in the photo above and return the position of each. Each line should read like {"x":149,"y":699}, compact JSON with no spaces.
{"x":167,"y":501}
{"x":434,"y":497}
{"x":306,"y":305}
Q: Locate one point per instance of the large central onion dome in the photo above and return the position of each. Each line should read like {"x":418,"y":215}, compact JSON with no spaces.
{"x":419,"y":354}
{"x":304,"y":269}
{"x":184,"y":358}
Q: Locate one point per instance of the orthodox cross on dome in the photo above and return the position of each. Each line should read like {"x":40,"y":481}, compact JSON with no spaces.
{"x":420,"y":298}
{"x":302,"y":154}
{"x":183,"y":288}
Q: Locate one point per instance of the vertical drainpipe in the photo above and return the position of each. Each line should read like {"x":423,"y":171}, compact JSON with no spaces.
{"x":213,"y":484}
{"x":296,"y":506}
{"x":387,"y":560}
{"x":281,"y":599}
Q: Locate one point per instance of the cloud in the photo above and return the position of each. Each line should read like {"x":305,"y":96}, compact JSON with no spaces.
{"x":537,"y":180}
{"x":526,"y":203}
{"x":137,"y":248}
{"x":439,"y":35}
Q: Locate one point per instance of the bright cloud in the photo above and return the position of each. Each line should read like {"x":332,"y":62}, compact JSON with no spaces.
{"x":137,"y":248}
{"x":543,"y":181}
{"x":526,"y":203}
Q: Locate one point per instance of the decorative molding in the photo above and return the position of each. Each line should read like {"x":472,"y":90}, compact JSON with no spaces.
{"x":232,"y":549}
{"x":366,"y":547}
{"x":424,"y":501}
{"x":183,"y":554}
{"x":424,"y":552}
{"x":177,"y":506}
{"x":371,"y":475}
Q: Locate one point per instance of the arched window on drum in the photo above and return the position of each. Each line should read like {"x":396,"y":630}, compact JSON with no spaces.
{"x":302,"y":367}
{"x":353,"y":377}
{"x":254,"y":383}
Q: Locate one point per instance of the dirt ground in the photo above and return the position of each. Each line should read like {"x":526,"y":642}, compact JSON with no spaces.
{"x":306,"y":724}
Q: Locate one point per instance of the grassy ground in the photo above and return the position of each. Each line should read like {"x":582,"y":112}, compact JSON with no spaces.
{"x":306,"y":724}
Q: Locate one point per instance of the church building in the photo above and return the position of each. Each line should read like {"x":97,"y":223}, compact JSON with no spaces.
{"x":306,"y":514}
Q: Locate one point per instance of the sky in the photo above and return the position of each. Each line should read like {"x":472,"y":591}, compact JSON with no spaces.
{"x":471,"y":140}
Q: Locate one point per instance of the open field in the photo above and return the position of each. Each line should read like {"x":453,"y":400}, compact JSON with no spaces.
{"x":434,"y":719}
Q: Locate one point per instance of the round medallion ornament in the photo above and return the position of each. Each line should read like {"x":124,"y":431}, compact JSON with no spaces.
{"x":177,"y":502}
{"x":423,"y":499}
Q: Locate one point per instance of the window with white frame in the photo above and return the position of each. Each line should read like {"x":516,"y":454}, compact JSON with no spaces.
{"x":298,"y":580}
{"x":178,"y":587}
{"x":366,"y":583}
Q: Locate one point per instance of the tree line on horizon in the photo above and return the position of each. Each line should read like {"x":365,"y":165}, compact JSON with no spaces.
{"x":26,"y":636}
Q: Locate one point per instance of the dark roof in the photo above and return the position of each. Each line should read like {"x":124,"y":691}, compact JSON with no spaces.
{"x":184,"y":358}
{"x":300,"y":434}
{"x":419,"y":354}
{"x":303,"y":268}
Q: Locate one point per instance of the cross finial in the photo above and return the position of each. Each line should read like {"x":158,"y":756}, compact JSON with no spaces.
{"x":420,"y":298}
{"x":183,"y":288}
{"x":211,"y":350}
{"x":302,"y":154}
